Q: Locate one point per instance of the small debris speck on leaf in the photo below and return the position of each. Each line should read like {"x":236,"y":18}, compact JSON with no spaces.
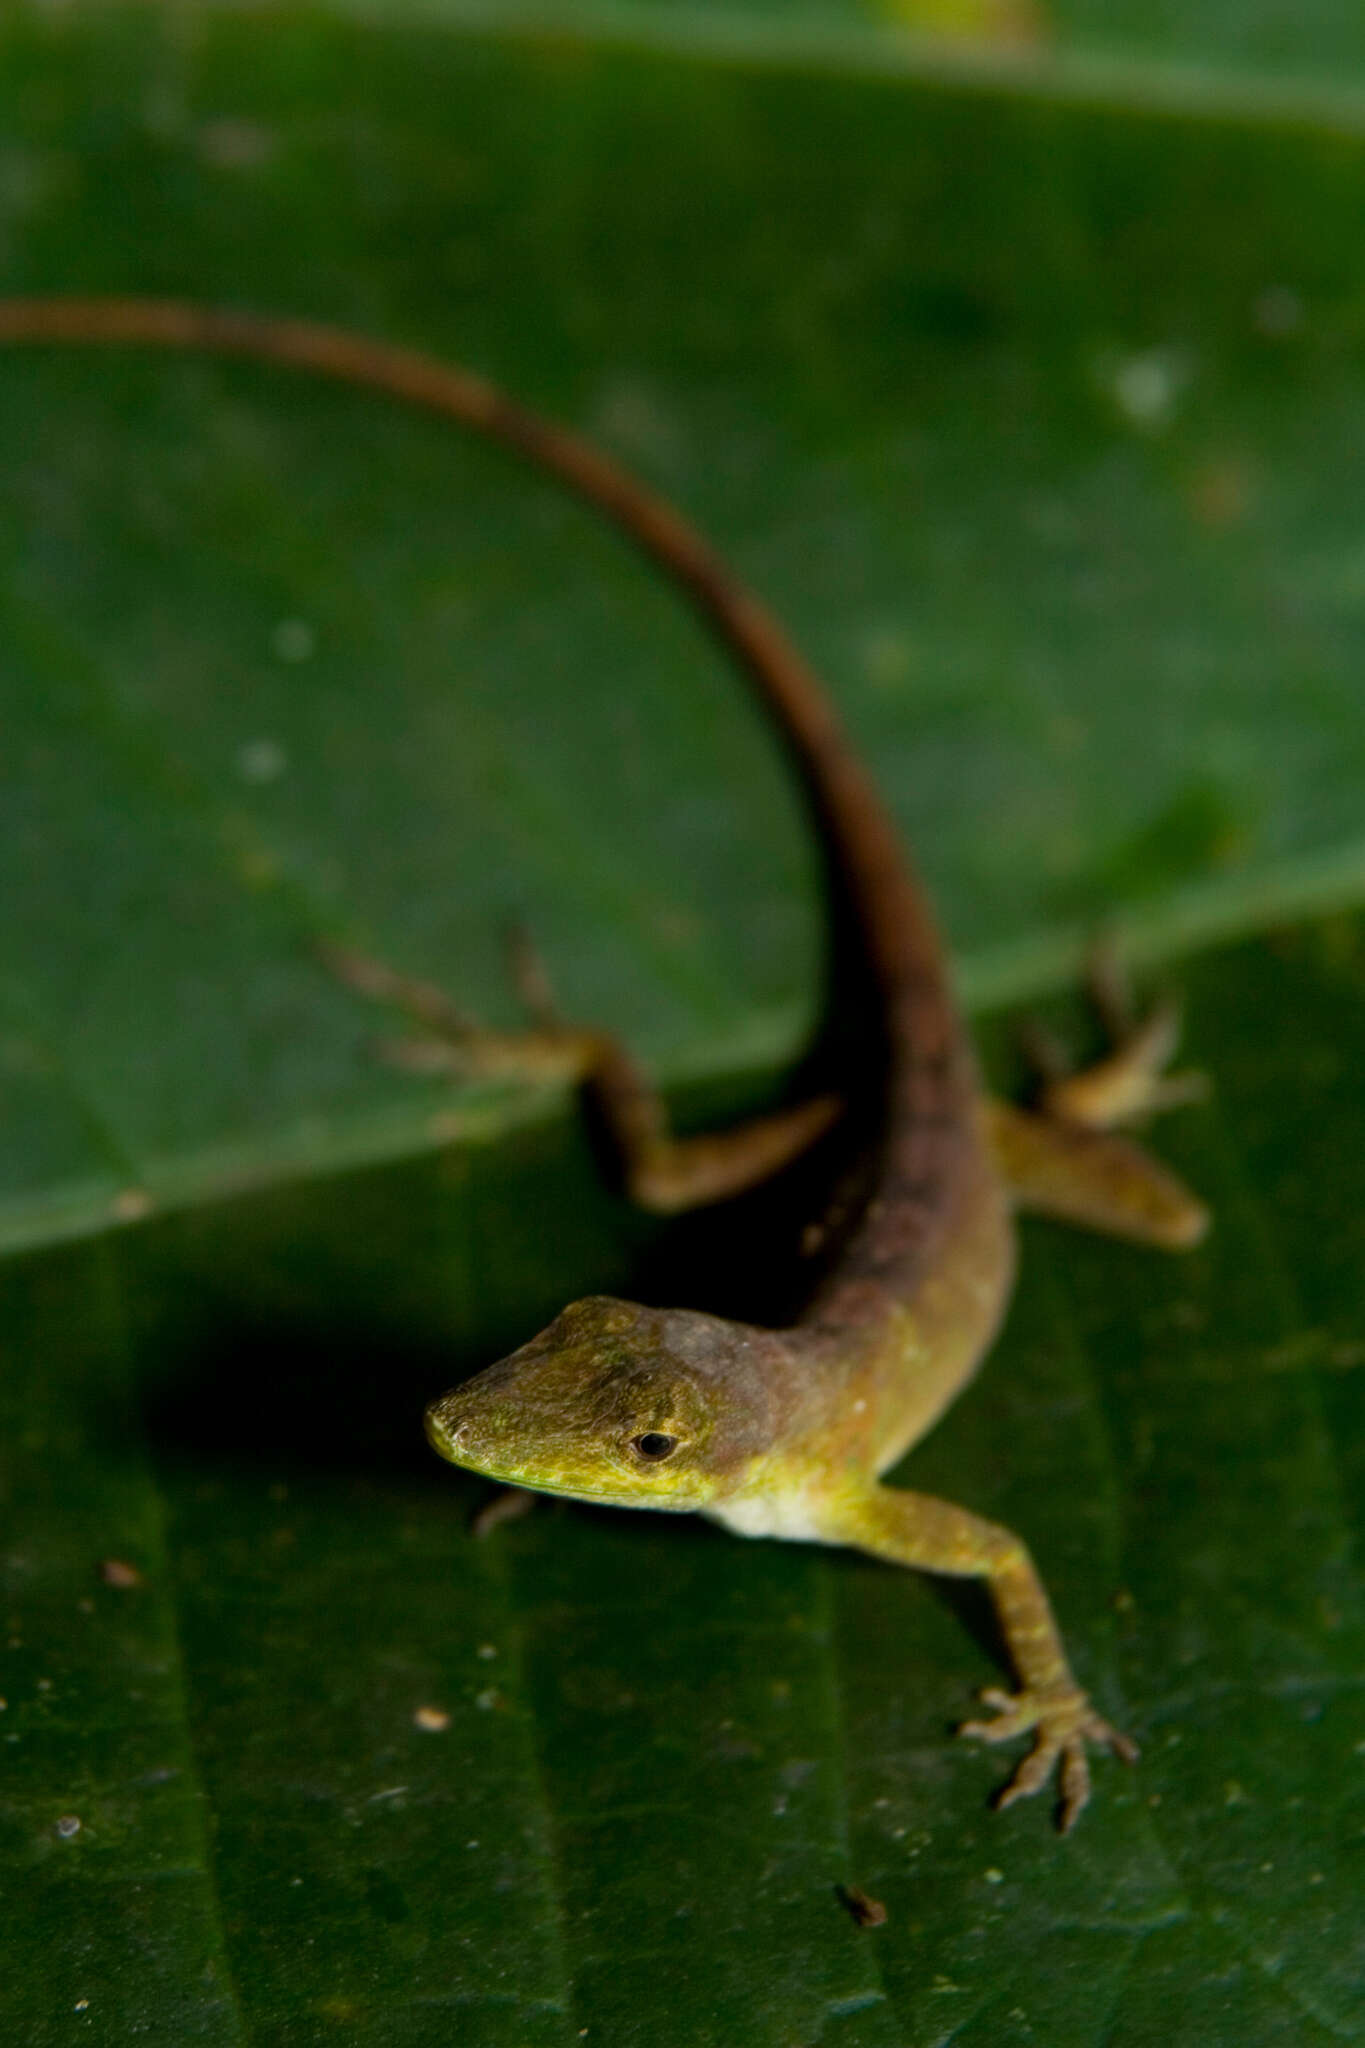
{"x":434,"y":1719}
{"x":116,"y":1571}
{"x":862,"y":1907}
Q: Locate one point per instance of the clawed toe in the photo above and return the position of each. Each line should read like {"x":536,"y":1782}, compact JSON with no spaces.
{"x":450,"y":1041}
{"x":1062,"y":1723}
{"x":1128,"y":1082}
{"x":1011,"y":1717}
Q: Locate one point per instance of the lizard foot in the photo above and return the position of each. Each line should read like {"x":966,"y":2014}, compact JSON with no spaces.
{"x":1062,"y":1721}
{"x":661,"y":1172}
{"x":452,"y":1042}
{"x":1128,"y":1082}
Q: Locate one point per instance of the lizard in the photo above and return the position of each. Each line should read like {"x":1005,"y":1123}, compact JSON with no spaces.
{"x":772,"y":1432}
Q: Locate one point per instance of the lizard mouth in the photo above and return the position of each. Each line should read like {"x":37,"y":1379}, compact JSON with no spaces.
{"x":446,"y":1442}
{"x":449,"y":1443}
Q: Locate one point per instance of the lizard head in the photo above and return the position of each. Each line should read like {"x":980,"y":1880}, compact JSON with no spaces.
{"x":635,"y":1407}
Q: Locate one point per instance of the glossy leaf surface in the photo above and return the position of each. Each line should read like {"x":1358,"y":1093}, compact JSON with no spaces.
{"x":1038,"y":421}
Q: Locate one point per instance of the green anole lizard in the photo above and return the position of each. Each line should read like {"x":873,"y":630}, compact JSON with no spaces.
{"x":773,"y":1432}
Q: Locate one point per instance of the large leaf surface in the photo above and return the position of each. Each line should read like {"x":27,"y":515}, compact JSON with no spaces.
{"x":1038,"y":423}
{"x":1275,"y":59}
{"x":1038,"y":426}
{"x":665,"y":1749}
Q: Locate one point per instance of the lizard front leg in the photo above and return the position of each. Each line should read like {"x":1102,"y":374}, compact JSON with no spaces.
{"x":932,"y":1535}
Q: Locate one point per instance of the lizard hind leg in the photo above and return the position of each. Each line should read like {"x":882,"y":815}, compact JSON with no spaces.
{"x":661,"y":1172}
{"x":1094,"y":1179}
{"x":1066,"y":1159}
{"x":664,"y":1173}
{"x":1129,"y":1080}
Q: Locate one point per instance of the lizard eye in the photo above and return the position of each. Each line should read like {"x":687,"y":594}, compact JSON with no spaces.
{"x":654,"y":1445}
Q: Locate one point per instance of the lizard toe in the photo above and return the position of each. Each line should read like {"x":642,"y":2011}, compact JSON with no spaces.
{"x":1063,"y":1725}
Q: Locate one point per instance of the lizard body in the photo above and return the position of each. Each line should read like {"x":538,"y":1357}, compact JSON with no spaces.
{"x":771,"y":1432}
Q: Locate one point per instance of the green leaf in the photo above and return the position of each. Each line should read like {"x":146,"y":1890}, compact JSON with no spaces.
{"x":665,"y":1748}
{"x":1037,"y":421}
{"x":1036,"y":424}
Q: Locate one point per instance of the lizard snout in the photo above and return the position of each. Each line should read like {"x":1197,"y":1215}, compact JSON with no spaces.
{"x":446,"y":1436}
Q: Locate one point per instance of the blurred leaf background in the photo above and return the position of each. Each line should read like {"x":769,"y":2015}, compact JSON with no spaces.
{"x":1015,"y":354}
